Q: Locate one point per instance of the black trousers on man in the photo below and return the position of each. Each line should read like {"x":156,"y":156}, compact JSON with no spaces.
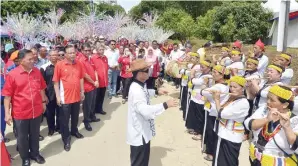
{"x":28,"y":137}
{"x":139,"y":155}
{"x":126,"y":84}
{"x":68,"y":111}
{"x":89,"y":106}
{"x":52,"y":112}
{"x":100,"y":96}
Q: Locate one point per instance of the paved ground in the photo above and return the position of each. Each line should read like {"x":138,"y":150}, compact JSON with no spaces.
{"x":106,"y":144}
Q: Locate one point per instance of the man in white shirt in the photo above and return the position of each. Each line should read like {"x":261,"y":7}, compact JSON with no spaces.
{"x":112,"y":54}
{"x":141,"y":115}
{"x":175,"y":53}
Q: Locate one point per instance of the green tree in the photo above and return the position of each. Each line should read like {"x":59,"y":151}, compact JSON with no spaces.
{"x":34,"y":8}
{"x":228,"y":29}
{"x":246,"y":21}
{"x":178,"y":21}
{"x":204,"y":23}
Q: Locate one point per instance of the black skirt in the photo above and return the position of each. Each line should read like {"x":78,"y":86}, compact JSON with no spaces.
{"x":183,"y":99}
{"x":227,"y":153}
{"x":210,"y":135}
{"x":195,"y":117}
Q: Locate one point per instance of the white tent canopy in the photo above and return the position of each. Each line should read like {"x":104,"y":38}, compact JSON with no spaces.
{"x":274,"y":6}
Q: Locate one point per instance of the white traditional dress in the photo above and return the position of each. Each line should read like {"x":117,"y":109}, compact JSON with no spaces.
{"x":270,"y":145}
{"x":230,"y":131}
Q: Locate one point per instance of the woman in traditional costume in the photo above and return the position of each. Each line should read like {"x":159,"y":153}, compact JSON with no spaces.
{"x":261,"y":90}
{"x":275,"y":130}
{"x":195,"y":117}
{"x":229,"y":126}
{"x":220,"y":74}
{"x":236,"y":67}
{"x":284,"y":60}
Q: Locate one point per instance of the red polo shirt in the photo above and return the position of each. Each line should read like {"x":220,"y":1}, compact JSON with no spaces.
{"x":125,"y":64}
{"x":89,"y":69}
{"x":24,"y":89}
{"x":101,"y":66}
{"x":68,"y":75}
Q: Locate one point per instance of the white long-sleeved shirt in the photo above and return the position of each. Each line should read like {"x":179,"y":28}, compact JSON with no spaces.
{"x":224,"y":89}
{"x":271,"y":148}
{"x":175,"y":55}
{"x":199,"y":83}
{"x":263,"y":63}
{"x":231,"y":120}
{"x":239,"y":66}
{"x":113,"y":56}
{"x":287,"y":76}
{"x":141,"y":115}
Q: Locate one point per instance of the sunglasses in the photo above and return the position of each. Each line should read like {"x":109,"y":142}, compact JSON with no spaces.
{"x":61,"y":54}
{"x":145,"y":71}
{"x":113,"y":44}
{"x":87,"y":50}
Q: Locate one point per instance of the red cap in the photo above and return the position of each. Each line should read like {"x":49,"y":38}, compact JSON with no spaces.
{"x":260,"y":44}
{"x":237,"y":44}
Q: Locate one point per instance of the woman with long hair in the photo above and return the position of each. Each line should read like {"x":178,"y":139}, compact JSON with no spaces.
{"x":274,"y":128}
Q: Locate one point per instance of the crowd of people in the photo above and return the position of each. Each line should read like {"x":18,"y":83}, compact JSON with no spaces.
{"x":225,"y":100}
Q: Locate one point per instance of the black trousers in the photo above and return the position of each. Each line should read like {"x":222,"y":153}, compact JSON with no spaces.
{"x":139,"y":155}
{"x":100,"y":96}
{"x":89,"y":106}
{"x":28,"y":137}
{"x":52,"y":112}
{"x":177,"y":81}
{"x":228,"y":153}
{"x":211,"y":136}
{"x":69,"y":111}
{"x":118,"y":85}
{"x":126,"y":84}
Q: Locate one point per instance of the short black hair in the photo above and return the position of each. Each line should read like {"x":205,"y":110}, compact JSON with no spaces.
{"x":154,"y":41}
{"x":69,"y":46}
{"x":10,"y":52}
{"x":22,"y":53}
{"x":291,"y":102}
{"x":112,"y":41}
{"x":86,"y":45}
{"x":141,"y":50}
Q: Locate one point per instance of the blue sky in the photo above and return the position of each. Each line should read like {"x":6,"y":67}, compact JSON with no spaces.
{"x":128,"y":4}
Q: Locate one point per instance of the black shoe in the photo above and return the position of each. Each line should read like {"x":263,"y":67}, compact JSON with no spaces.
{"x":51,"y":132}
{"x":102,"y":112}
{"x":67,"y":147}
{"x":41,"y":138}
{"x":6,"y":140}
{"x":77,"y":135}
{"x":26,"y":162}
{"x":88,"y":127}
{"x":39,"y":159}
{"x":95,"y":120}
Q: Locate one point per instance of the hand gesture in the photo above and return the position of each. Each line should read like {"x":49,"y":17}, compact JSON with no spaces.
{"x":272,"y":114}
{"x":172,"y":103}
{"x":216,"y":95}
{"x":162,"y":91}
{"x":8,"y":119}
{"x":284,"y":119}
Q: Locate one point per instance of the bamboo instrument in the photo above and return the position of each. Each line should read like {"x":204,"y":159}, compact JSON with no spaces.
{"x":210,"y":91}
{"x":262,"y":78}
